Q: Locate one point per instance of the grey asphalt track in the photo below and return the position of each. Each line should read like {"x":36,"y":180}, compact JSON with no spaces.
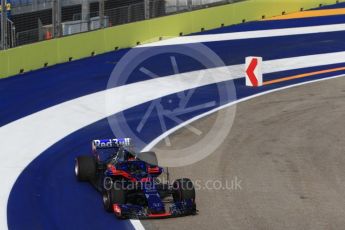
{"x":287,"y":151}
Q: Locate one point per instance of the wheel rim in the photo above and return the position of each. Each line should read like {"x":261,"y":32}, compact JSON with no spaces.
{"x":76,"y":168}
{"x":106,"y":200}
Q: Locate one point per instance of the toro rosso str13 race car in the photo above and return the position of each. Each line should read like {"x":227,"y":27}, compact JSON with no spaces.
{"x":129,"y":182}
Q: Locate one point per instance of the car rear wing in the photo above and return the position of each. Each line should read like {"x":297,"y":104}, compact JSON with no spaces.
{"x":111,"y":143}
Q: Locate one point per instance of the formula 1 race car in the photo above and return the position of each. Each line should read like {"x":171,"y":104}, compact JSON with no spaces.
{"x":130,"y":183}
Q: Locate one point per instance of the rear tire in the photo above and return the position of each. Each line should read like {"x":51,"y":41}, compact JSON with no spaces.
{"x":116,"y":195}
{"x":85,"y":168}
{"x":183,"y":190}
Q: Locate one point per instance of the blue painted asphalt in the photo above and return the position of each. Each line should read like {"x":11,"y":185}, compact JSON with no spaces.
{"x":46,"y":195}
{"x":54,"y":197}
{"x":41,"y":89}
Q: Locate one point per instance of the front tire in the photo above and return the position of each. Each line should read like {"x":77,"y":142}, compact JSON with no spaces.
{"x":85,"y":168}
{"x":183,"y":190}
{"x":116,"y":195}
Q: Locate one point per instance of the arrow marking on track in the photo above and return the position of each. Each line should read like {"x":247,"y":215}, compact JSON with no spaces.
{"x":250,"y":72}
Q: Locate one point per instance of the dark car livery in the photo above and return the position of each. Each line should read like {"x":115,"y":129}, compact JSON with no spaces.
{"x":130,"y":182}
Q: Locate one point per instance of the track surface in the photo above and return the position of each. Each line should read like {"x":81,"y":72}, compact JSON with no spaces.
{"x":287,"y":149}
{"x":52,"y":198}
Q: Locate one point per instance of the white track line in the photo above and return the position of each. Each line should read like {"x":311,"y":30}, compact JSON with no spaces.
{"x":139,"y":226}
{"x":172,"y":130}
{"x":248,"y":35}
{"x":25,"y":139}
